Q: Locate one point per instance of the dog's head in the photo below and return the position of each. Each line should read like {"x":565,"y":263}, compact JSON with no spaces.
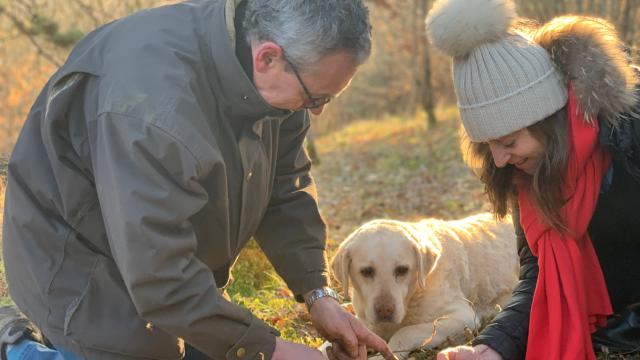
{"x":384,"y":261}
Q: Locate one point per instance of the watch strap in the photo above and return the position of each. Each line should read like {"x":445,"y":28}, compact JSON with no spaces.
{"x":314,"y":295}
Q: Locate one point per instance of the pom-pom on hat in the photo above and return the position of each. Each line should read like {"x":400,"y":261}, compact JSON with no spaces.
{"x":504,"y":82}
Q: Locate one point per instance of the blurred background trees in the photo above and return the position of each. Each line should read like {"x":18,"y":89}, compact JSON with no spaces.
{"x":35,"y":38}
{"x":405,"y":76}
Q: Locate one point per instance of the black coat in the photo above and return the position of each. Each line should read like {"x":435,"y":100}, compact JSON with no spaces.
{"x":615,"y":227}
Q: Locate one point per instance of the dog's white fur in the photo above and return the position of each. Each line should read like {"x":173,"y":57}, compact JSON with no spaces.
{"x":419,"y":284}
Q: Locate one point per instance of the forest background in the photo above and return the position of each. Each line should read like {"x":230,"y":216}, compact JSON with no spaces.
{"x":385,"y":148}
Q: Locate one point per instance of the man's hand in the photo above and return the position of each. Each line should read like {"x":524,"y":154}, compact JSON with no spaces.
{"x":336,"y":352}
{"x":286,"y":350}
{"x":338,"y":326}
{"x":478,"y":352}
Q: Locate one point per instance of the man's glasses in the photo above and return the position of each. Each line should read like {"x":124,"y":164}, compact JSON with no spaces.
{"x":312,"y":102}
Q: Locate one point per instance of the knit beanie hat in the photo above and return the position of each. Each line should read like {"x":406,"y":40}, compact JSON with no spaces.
{"x":504,"y":82}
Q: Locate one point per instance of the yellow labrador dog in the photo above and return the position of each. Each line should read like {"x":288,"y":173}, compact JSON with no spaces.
{"x":419,"y":284}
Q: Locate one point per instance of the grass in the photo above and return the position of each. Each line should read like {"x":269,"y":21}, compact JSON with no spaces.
{"x":257,"y":287}
{"x":393,"y":168}
{"x":382,"y":168}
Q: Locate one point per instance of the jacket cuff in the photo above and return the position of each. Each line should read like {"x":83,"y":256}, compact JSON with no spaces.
{"x":303,"y":285}
{"x":258,"y":342}
{"x":501,"y":343}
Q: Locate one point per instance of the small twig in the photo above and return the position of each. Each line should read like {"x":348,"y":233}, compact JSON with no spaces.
{"x":475,"y":316}
{"x":425,"y":342}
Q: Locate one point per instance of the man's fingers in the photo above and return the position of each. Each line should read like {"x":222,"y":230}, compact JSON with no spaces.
{"x":329,"y":351}
{"x":350,"y":342}
{"x":362,"y":352}
{"x":339,"y":353}
{"x":368,"y":338}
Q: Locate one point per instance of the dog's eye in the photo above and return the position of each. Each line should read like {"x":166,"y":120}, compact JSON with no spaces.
{"x":367,"y":272}
{"x":401,"y":271}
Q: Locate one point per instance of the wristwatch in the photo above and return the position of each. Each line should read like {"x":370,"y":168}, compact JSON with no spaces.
{"x":314,"y":295}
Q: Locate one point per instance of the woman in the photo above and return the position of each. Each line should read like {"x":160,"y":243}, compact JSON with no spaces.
{"x":549,"y":126}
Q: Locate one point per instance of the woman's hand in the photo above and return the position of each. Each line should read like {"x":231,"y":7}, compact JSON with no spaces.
{"x":478,"y":352}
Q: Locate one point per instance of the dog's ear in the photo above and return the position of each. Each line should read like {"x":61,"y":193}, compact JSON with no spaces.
{"x":341,"y":263}
{"x":426,"y":253}
{"x":429,"y":256}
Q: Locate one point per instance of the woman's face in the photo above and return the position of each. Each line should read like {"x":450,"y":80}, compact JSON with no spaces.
{"x":519,"y":149}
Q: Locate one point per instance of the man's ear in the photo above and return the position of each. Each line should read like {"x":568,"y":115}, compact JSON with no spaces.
{"x":266,"y":56}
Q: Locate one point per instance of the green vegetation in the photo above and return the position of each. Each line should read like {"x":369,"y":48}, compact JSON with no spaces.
{"x":257,"y":287}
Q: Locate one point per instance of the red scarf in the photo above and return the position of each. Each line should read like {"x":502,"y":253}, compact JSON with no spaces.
{"x":571,"y":297}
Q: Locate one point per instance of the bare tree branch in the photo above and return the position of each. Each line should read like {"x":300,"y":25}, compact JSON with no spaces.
{"x":23,"y":29}
{"x":89,"y":11}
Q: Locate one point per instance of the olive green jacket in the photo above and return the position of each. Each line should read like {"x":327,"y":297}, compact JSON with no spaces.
{"x":129,"y":195}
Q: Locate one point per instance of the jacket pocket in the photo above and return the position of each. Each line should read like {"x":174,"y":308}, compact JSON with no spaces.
{"x":104,"y":318}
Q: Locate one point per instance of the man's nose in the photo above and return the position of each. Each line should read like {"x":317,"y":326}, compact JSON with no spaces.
{"x":500,"y":155}
{"x":317,"y":110}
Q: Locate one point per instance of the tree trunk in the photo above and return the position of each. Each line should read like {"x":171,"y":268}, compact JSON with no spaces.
{"x":427,"y":89}
{"x":418,"y":30}
{"x":626,"y":27}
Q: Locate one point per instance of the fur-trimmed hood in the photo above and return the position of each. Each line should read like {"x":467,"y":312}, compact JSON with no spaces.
{"x":591,"y":56}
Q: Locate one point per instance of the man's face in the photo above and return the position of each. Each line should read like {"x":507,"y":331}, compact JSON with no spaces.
{"x":282,"y":89}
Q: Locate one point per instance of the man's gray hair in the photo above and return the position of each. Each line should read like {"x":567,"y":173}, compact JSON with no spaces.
{"x":308,"y":30}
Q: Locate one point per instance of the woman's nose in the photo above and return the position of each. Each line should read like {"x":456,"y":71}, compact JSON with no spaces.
{"x":500,"y":155}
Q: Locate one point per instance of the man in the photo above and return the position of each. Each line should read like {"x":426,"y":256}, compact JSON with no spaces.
{"x":165,"y":142}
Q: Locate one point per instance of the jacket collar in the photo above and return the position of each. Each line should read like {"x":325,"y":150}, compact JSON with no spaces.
{"x":239,"y":97}
{"x":230,"y":12}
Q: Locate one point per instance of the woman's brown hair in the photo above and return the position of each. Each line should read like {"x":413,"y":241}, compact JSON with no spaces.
{"x":545,"y":184}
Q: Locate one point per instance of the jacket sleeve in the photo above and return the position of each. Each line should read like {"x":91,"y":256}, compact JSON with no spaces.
{"x":292,"y":233}
{"x":507,"y":333}
{"x":148,"y":186}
